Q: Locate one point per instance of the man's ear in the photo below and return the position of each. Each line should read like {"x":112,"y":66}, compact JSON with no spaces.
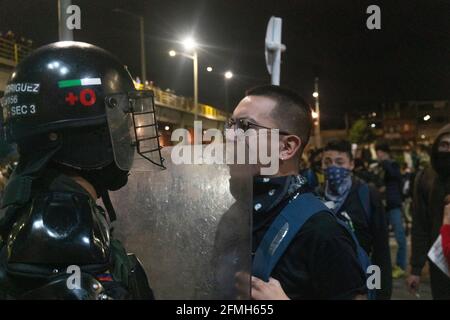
{"x":352,"y":164}
{"x":289,"y":147}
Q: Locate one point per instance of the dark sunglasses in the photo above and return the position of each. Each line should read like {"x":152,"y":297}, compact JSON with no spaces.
{"x":246,"y":124}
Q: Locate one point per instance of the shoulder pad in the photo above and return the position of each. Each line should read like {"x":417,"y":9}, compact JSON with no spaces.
{"x":59,"y":229}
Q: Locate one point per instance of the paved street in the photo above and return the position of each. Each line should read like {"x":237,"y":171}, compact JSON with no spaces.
{"x":399,"y":291}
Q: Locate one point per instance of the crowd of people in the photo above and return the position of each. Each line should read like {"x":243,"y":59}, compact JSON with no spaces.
{"x":408,"y":194}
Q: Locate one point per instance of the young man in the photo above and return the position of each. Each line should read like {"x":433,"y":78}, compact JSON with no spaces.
{"x":392,"y":190}
{"x":359,"y":205}
{"x":320,"y":262}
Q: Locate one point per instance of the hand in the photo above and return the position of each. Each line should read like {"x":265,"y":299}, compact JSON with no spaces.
{"x":242,"y":285}
{"x":271,"y":290}
{"x":446,"y":210}
{"x":413,"y":283}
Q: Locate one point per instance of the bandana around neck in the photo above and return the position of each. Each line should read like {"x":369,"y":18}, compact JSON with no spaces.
{"x":269,"y":192}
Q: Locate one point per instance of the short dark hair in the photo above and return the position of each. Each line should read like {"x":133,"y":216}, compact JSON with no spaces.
{"x":291,"y":113}
{"x":382,"y":146}
{"x":340,"y":145}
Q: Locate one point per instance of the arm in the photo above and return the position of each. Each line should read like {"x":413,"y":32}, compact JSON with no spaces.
{"x":445,"y":232}
{"x":420,"y":234}
{"x":335,"y":269}
{"x":381,"y":255}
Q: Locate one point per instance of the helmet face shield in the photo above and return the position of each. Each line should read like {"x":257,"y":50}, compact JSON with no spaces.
{"x":133,"y":129}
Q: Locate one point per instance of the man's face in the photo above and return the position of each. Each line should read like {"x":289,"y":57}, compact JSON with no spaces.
{"x":337,"y":159}
{"x":257,"y":114}
{"x":256,"y":109}
{"x":444,"y":143}
{"x":381,"y":155}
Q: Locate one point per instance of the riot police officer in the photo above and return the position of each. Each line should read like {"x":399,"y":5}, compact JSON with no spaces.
{"x":80,"y":127}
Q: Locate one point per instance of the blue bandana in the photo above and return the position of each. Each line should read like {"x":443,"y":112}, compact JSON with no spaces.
{"x":337,"y":178}
{"x":338,"y":184}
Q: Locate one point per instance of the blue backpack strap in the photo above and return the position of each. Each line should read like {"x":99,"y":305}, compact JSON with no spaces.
{"x":282,"y":231}
{"x":363,"y":257}
{"x":364,"y":197}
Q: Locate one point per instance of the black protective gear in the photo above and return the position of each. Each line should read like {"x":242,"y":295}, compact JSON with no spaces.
{"x":61,"y":92}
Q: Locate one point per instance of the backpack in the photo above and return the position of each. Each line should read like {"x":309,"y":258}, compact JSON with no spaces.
{"x":286,"y":226}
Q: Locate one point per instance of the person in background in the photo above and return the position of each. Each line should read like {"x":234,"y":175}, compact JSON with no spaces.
{"x":315,"y":163}
{"x":359,"y":205}
{"x":431,"y":188}
{"x":407,"y":182}
{"x":362,"y":172}
{"x":423,"y":157}
{"x":393,"y":195}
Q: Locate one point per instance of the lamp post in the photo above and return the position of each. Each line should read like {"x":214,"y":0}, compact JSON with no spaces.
{"x":195,"y":59}
{"x":142,"y":39}
{"x":191,"y":45}
{"x":316,"y":114}
{"x":227,"y":75}
{"x":64,"y":33}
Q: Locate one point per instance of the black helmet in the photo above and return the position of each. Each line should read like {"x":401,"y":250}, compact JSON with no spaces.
{"x":81,"y":99}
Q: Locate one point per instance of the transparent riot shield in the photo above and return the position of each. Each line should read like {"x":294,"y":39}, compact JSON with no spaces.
{"x":190,"y":225}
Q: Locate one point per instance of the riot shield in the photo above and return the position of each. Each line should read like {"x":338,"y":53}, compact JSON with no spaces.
{"x":190,"y":225}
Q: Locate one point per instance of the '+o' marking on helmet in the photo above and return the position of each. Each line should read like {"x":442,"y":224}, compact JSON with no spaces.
{"x":87,"y":98}
{"x":71,"y":98}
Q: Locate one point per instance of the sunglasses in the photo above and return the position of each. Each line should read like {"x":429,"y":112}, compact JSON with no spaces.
{"x":246,"y":124}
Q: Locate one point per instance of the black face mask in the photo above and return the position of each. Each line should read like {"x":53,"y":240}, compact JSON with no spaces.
{"x":441,"y":163}
{"x":109,"y":178}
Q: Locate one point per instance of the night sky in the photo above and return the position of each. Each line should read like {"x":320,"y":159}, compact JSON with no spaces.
{"x":408,"y":59}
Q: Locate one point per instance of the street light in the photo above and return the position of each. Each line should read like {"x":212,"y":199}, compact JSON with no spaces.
{"x":209,"y":69}
{"x":427,"y":117}
{"x":315,"y":94}
{"x":228,"y":75}
{"x":191,"y":44}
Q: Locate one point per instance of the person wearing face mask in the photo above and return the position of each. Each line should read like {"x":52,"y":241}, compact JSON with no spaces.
{"x":392,"y":192}
{"x":359,"y":205}
{"x":431,"y":188}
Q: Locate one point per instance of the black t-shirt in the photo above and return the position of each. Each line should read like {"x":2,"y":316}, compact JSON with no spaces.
{"x":319,"y":263}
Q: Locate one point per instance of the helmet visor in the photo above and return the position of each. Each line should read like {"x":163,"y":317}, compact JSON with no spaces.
{"x":134,"y":133}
